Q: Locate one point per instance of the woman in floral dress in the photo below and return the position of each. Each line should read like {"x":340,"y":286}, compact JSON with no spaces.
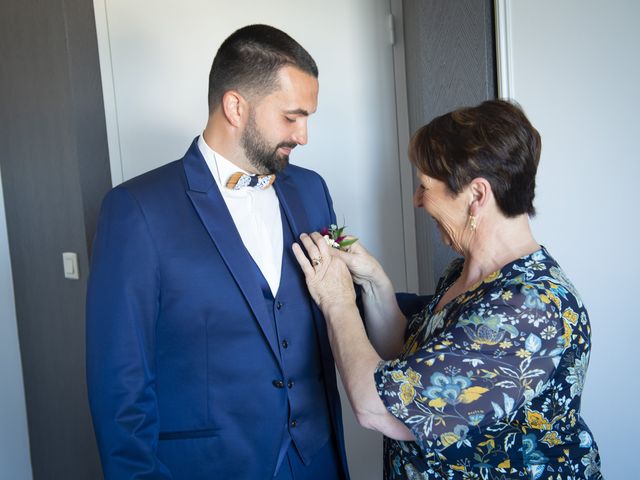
{"x":486,"y":381}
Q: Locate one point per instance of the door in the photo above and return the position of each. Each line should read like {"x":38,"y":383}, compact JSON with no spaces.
{"x":155,"y":58}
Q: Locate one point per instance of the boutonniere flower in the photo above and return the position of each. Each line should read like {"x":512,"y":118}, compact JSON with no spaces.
{"x":335,"y":237}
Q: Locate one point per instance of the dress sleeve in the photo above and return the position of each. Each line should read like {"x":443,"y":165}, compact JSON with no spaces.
{"x":496,"y":351}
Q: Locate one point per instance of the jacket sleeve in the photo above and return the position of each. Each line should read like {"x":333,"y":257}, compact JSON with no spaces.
{"x":411,"y":304}
{"x":122,"y":309}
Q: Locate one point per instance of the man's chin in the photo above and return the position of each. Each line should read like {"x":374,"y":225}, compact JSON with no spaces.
{"x":281,"y":163}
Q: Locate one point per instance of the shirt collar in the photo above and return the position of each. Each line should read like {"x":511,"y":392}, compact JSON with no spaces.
{"x":220,"y":167}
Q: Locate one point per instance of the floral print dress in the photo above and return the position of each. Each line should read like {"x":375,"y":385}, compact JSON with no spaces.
{"x":490,"y":385}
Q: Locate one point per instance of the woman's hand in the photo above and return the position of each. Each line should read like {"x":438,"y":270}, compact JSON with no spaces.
{"x":330,"y":285}
{"x":328,"y":278}
{"x":386,"y":325}
{"x":364,"y":268}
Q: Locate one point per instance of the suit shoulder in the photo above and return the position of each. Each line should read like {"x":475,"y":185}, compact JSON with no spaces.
{"x":148,"y":188}
{"x":165,"y":178}
{"x":158,"y":177}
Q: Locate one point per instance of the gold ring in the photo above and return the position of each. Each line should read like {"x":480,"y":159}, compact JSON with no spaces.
{"x":316,"y":261}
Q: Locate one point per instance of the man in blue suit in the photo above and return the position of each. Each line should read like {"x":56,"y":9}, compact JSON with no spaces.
{"x":206,"y":358}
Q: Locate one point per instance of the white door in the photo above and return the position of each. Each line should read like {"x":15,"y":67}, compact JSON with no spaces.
{"x":155,"y":58}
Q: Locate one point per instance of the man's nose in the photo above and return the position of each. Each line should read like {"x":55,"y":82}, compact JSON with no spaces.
{"x":300,"y":135}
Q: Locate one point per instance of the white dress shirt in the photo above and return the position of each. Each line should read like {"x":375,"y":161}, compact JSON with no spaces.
{"x":256,"y":214}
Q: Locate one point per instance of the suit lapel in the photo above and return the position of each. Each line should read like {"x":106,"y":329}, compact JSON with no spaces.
{"x":289,"y":198}
{"x":299,"y":221}
{"x":210,"y":206}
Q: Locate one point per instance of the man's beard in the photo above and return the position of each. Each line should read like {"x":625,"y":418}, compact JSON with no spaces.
{"x":260,"y":154}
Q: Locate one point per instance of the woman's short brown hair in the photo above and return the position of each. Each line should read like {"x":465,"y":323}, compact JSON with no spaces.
{"x":494,"y":140}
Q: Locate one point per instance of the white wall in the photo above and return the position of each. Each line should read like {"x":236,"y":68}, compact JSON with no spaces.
{"x":15,"y":462}
{"x":155,"y":59}
{"x":575,"y":69}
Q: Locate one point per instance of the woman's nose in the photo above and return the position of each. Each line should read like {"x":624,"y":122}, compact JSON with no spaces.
{"x":417,"y":198}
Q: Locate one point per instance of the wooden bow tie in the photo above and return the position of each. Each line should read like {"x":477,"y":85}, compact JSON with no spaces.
{"x":240,"y":180}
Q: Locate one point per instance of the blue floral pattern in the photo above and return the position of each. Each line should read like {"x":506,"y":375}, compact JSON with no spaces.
{"x":490,"y":385}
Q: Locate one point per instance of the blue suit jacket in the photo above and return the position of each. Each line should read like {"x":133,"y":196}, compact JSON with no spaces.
{"x":181,"y":351}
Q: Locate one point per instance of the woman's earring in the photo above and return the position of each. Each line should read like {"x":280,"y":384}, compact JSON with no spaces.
{"x":473,"y":224}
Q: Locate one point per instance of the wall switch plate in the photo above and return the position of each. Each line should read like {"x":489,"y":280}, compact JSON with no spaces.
{"x":70,"y":262}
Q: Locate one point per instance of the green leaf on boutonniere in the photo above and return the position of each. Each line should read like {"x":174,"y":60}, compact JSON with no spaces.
{"x":335,"y":237}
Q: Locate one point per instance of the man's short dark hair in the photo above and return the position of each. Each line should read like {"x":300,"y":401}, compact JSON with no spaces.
{"x":249,"y":61}
{"x":494,"y":140}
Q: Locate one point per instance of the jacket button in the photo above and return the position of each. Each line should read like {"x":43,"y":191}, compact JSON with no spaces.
{"x":290,"y":384}
{"x":293,"y":423}
{"x":278,"y":305}
{"x":278,"y":383}
{"x":285,"y":344}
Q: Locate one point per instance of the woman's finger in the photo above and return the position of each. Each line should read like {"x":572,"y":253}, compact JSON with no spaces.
{"x":346,"y":257}
{"x":312,"y":249}
{"x":354,"y":247}
{"x":304,"y":263}
{"x":321,"y":243}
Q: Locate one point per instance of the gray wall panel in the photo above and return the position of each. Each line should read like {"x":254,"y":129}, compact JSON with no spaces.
{"x":449,"y":48}
{"x":53,"y":155}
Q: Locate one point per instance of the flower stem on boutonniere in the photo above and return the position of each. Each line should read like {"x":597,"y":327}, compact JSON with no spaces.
{"x":335,"y":237}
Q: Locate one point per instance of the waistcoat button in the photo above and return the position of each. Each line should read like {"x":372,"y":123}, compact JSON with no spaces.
{"x":285,"y":344}
{"x":278,"y":383}
{"x":290,"y":384}
{"x":278,"y":305}
{"x":293,"y":423}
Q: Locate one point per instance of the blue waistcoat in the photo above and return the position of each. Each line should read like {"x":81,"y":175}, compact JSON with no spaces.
{"x":309,"y":424}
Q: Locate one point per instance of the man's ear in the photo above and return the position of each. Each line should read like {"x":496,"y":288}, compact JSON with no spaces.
{"x":234,"y":107}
